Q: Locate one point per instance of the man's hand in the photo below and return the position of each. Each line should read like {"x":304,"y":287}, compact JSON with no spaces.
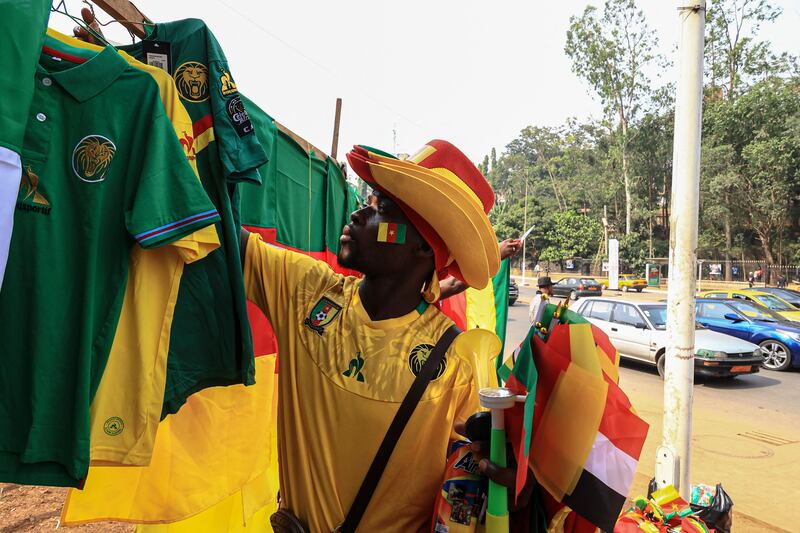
{"x":506,"y":477}
{"x":510,"y":247}
{"x":82,"y":34}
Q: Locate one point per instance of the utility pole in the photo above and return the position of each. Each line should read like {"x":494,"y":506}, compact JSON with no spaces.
{"x":673,"y":456}
{"x":337,"y":119}
{"x":525,"y":227}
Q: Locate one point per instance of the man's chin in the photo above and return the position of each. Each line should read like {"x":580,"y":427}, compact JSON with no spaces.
{"x":346,"y":259}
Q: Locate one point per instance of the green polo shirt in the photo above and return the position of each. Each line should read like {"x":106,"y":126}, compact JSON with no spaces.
{"x":22,"y":26}
{"x":102,"y":171}
{"x":210,"y":342}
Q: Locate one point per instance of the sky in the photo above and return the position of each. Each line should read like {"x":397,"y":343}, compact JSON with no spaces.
{"x":474,"y":73}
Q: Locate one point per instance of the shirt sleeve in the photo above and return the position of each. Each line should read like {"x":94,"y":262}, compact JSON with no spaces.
{"x":273,"y":276}
{"x":240,"y":151}
{"x":167,"y":201}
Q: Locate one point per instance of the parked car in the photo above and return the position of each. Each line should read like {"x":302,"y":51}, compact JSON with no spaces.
{"x":513,"y":292}
{"x":639,"y":331}
{"x":574,"y":288}
{"x":764,"y":299}
{"x":629,"y":282}
{"x":778,"y":338}
{"x":790,"y":295}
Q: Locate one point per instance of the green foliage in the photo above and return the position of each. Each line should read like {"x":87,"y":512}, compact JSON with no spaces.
{"x":575,"y":174}
{"x":572,"y":235}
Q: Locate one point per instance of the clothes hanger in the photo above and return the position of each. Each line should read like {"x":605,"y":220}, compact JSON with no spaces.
{"x":61,"y":8}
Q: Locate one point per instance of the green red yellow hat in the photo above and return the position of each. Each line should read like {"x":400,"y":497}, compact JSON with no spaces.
{"x":446,"y":198}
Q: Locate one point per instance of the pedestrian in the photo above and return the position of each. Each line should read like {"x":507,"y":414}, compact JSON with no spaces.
{"x":544,"y":292}
{"x":350,"y":348}
{"x":782,"y":280}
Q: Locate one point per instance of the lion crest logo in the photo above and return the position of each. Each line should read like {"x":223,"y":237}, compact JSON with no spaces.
{"x":191,"y":79}
{"x":417,"y":357}
{"x":92,"y":157}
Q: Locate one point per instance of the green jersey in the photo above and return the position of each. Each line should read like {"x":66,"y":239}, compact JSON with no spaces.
{"x":210,"y":343}
{"x":102,"y":170}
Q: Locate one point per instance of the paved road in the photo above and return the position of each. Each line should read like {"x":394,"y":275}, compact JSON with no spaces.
{"x":746,"y":432}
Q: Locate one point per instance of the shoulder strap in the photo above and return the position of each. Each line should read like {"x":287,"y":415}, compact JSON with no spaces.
{"x":395,"y":430}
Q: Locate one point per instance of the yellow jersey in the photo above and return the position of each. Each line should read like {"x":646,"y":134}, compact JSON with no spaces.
{"x":341,"y":379}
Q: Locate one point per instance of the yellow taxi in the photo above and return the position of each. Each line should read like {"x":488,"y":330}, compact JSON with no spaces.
{"x":628,"y":282}
{"x":764,"y":299}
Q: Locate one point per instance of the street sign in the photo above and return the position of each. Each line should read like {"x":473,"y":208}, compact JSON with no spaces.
{"x":613,"y":264}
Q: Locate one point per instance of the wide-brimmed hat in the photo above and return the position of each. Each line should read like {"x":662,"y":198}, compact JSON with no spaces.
{"x":446,"y":198}
{"x":544,"y":281}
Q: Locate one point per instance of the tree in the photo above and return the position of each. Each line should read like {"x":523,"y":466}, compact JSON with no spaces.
{"x":754,"y":146}
{"x":494,"y":158}
{"x":571,"y":235}
{"x":611,"y":52}
{"x":732,"y":51}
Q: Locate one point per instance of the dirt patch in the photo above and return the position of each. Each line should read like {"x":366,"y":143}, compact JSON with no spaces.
{"x":30,"y":509}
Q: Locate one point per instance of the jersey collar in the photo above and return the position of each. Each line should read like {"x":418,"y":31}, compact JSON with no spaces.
{"x":389,"y":323}
{"x":87,"y":80}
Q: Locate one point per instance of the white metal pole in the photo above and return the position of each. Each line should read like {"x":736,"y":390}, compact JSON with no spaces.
{"x":679,"y":371}
{"x":525,"y":228}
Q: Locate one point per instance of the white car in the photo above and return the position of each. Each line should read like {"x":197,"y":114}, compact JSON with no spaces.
{"x":638,"y":331}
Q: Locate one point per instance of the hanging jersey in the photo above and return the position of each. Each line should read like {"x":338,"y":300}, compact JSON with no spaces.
{"x":123,"y":426}
{"x":94,"y":183}
{"x":344,"y":375}
{"x":210,"y":343}
{"x":22,"y":25}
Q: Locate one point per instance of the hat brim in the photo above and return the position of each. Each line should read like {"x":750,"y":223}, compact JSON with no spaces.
{"x":451,"y":213}
{"x":465,"y":199}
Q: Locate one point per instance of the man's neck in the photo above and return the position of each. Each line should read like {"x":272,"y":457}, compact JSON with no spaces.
{"x":384,"y":298}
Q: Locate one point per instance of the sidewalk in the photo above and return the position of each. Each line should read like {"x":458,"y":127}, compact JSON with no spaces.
{"x":754,"y":453}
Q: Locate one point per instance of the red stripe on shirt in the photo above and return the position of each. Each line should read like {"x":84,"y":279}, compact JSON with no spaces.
{"x":202,"y":125}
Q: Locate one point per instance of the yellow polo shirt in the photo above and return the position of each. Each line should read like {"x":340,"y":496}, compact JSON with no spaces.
{"x":342,"y":377}
{"x":126,"y":409}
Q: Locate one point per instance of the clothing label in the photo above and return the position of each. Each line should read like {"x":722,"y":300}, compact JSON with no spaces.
{"x":157,"y":54}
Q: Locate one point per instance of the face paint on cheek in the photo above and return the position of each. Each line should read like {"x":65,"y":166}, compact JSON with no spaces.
{"x":391,"y":232}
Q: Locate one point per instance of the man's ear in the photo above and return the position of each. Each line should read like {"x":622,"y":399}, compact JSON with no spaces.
{"x":423,"y":249}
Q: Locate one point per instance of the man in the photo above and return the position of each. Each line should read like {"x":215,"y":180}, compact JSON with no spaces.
{"x":544,"y":292}
{"x":349,"y":348}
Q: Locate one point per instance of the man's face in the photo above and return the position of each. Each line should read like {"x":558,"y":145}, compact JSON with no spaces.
{"x":359,"y":248}
{"x":547,"y":289}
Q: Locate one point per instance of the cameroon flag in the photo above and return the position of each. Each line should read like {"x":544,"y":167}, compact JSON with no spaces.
{"x":392,"y":232}
{"x":485,"y":308}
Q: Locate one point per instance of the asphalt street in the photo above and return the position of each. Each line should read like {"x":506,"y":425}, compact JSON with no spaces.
{"x":746,"y":431}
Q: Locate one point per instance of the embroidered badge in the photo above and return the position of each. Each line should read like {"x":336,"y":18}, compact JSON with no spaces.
{"x":322,"y":315}
{"x":191,"y":80}
{"x":354,"y":370}
{"x":91,"y":158}
{"x":113,"y":426}
{"x":239,"y":117}
{"x":226,"y":84}
{"x":29,"y":198}
{"x":417,"y":357}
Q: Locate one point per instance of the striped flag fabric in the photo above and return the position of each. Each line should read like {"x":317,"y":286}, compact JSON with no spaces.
{"x":585,"y":437}
{"x":485,"y":308}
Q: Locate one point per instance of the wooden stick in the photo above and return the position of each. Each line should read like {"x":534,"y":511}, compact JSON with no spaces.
{"x":336,"y":121}
{"x":307,"y":146}
{"x":125,"y":13}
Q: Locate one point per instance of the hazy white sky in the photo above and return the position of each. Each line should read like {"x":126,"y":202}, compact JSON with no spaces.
{"x":471,"y":72}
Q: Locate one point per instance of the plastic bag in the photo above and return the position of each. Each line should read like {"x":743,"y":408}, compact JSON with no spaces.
{"x":718,"y":515}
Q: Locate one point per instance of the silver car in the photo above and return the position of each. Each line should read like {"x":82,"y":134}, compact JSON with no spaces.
{"x":638,"y":331}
